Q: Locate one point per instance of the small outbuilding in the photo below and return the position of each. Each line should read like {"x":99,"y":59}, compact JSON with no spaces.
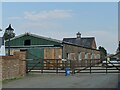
{"x":38,"y":48}
{"x":2,"y":44}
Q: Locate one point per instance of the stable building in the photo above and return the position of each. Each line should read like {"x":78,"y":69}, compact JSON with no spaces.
{"x":48,"y":50}
{"x":81,"y":48}
{"x":38,"y":48}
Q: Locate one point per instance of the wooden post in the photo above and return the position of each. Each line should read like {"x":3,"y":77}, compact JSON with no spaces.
{"x":106,"y":66}
{"x":90,"y":66}
{"x":73,"y":66}
{"x":70,"y":64}
{"x":42,"y":67}
{"x":56,"y":66}
{"x":26,"y":66}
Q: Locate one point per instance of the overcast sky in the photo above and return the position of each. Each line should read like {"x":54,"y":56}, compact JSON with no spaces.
{"x":64,"y":19}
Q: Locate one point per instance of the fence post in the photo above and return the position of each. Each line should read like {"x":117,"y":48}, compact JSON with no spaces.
{"x":56,"y":66}
{"x":106,"y":66}
{"x":42,"y":67}
{"x":90,"y":66}
{"x":73,"y":66}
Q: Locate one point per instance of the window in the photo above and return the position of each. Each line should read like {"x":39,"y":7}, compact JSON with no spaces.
{"x":27,"y":42}
{"x":80,"y":56}
{"x":68,"y":56}
{"x":2,"y":40}
{"x":95,"y":57}
{"x":86,"y":56}
{"x":92,"y":56}
{"x":98,"y":56}
{"x":71,"y":56}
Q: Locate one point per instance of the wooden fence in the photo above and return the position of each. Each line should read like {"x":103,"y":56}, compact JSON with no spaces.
{"x":83,"y":66}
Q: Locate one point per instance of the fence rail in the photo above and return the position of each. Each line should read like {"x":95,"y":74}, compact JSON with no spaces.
{"x":83,"y":66}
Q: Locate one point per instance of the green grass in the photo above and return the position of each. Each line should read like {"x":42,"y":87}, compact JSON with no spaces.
{"x":10,"y":80}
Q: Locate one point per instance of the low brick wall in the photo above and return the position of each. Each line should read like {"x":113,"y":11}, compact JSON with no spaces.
{"x":13,"y":66}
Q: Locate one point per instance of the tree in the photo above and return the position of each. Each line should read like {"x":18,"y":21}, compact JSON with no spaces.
{"x":103,"y":52}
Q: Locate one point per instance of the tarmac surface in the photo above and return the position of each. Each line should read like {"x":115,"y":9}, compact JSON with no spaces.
{"x":79,"y":80}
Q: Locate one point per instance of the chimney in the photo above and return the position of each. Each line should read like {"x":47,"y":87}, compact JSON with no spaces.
{"x":78,"y":35}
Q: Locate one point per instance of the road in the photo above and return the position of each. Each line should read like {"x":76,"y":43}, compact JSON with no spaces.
{"x":79,"y":80}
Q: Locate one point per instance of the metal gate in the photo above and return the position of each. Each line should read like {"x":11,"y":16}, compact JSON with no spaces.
{"x":35,"y":58}
{"x":86,"y":66}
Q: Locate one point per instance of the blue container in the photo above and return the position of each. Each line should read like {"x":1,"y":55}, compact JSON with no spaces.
{"x":67,"y":71}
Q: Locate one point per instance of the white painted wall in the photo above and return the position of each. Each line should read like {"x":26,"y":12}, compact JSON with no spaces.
{"x":2,"y":47}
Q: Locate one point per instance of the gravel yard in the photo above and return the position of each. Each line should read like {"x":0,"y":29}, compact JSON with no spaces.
{"x":79,"y":80}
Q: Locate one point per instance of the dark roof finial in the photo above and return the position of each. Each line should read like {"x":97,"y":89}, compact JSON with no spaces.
{"x":9,"y":27}
{"x":78,"y":35}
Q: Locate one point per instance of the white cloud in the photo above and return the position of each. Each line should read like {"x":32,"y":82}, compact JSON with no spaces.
{"x":46,"y":15}
{"x":14,"y":18}
{"x":37,"y":26}
{"x":42,"y":20}
{"x":43,"y":24}
{"x":108,"y":40}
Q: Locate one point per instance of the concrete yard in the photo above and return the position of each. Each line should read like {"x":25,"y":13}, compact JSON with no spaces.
{"x":79,"y":80}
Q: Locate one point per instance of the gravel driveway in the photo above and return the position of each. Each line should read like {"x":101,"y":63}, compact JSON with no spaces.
{"x":79,"y":80}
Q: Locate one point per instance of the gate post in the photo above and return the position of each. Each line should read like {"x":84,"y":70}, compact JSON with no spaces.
{"x":26,"y":66}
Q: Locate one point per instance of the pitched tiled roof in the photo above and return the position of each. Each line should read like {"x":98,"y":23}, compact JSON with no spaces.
{"x":85,"y":42}
{"x":34,"y":35}
{"x":76,"y":41}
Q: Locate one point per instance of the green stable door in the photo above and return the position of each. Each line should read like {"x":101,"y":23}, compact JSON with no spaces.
{"x":35,"y":58}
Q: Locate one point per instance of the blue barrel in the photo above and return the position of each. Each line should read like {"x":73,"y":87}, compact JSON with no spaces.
{"x":67,"y":71}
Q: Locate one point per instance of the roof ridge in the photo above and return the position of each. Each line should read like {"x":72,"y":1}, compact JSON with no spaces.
{"x":48,"y":38}
{"x":17,"y":36}
{"x":35,"y":35}
{"x":69,"y":38}
{"x":88,"y":37}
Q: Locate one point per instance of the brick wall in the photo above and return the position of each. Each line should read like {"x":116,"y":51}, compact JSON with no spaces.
{"x":13,"y":66}
{"x":76,"y":50}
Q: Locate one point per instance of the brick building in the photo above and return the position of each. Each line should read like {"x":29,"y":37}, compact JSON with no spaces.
{"x":44,"y":48}
{"x":81,"y":48}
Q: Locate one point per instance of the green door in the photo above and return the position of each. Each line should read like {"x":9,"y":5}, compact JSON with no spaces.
{"x":35,"y":58}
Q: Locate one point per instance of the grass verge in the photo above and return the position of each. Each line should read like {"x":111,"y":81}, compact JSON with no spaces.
{"x":10,"y":80}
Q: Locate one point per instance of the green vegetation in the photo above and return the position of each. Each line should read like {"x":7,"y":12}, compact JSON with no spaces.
{"x":103,"y":52}
{"x":10,"y":80}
